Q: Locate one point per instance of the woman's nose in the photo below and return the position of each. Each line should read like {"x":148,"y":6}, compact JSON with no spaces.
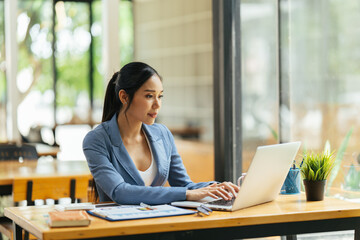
{"x":157,"y":103}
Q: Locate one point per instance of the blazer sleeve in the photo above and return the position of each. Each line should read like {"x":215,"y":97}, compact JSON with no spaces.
{"x":177,"y":172}
{"x":113,"y":184}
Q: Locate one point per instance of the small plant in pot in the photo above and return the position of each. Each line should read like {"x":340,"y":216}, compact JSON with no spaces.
{"x":315,"y":169}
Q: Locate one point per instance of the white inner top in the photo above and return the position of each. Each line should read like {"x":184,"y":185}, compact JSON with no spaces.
{"x":149,"y":174}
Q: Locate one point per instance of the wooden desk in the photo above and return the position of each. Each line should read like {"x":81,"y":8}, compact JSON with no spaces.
{"x":42,"y":167}
{"x":288,"y":215}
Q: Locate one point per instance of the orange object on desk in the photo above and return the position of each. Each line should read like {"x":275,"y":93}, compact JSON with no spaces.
{"x":68,"y":218}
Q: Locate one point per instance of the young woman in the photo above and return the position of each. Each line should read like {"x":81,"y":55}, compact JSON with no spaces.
{"x":130,"y":156}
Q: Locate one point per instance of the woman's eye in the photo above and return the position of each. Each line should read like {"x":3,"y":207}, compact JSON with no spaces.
{"x":148,"y":96}
{"x":161,"y":96}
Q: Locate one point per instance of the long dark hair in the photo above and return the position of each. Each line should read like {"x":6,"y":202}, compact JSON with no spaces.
{"x":130,"y":78}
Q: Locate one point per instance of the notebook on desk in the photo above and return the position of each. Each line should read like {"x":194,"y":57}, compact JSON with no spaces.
{"x":263,"y":180}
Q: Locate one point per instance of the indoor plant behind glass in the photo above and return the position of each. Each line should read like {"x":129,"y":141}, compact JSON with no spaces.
{"x":314,"y":170}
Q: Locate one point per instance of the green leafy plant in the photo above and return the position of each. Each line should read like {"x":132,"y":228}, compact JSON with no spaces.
{"x":317,"y":167}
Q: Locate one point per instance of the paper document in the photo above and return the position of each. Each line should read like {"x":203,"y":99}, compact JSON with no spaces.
{"x":127,"y":212}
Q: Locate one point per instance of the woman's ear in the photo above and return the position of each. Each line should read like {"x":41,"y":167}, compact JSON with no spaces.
{"x":123,"y":96}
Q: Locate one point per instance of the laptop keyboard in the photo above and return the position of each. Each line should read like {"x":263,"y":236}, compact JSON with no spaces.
{"x":222,"y":202}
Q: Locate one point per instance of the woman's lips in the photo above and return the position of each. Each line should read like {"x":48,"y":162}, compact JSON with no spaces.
{"x":153,"y":115}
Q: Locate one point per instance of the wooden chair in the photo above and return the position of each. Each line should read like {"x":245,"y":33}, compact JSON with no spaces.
{"x":12,"y":151}
{"x":45,"y":187}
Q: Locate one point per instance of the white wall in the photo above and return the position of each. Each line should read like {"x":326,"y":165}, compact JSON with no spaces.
{"x":175,"y":37}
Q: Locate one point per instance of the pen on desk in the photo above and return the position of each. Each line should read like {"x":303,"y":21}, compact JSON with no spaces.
{"x":203,"y":209}
{"x":206,"y":208}
{"x":144,"y":205}
{"x":302,"y":161}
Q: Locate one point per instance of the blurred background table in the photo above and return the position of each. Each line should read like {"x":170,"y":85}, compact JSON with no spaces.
{"x":47,"y":150}
{"x":45,"y":166}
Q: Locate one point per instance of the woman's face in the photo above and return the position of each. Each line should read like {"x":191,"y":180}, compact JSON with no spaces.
{"x":146,"y":103}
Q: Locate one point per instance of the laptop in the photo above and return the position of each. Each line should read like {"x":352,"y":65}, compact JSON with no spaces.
{"x":263,"y":180}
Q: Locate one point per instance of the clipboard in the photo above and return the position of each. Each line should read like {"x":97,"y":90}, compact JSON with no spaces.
{"x":130,"y":212}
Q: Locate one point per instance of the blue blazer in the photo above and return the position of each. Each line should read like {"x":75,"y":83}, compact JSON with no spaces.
{"x":116,"y":176}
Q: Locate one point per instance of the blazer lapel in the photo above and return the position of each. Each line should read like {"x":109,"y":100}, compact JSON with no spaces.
{"x":159,"y":154}
{"x":123,"y":157}
{"x":120,"y":152}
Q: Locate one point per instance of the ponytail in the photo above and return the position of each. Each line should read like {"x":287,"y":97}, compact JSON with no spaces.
{"x":112,"y":104}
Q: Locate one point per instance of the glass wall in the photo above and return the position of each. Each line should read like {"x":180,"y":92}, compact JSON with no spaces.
{"x":47,"y":109}
{"x":126,"y":54}
{"x":98,"y":88}
{"x":259,"y":76}
{"x":319,"y":65}
{"x":73,"y":39}
{"x":34,"y":78}
{"x":2,"y":75}
{"x":126,"y":34}
{"x":323,"y":66}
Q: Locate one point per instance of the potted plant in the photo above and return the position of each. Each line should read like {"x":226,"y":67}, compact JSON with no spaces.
{"x":315,"y":169}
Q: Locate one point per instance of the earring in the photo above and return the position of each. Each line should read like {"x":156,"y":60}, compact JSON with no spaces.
{"x":125,"y":102}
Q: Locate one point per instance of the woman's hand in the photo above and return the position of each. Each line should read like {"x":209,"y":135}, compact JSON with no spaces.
{"x":225,"y":190}
{"x":230,"y":188}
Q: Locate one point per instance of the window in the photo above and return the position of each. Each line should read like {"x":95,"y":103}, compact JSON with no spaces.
{"x":319,"y":56}
{"x":260,"y":111}
{"x":34,"y":77}
{"x":322,"y":63}
{"x":73,"y":53}
{"x":2,"y":75}
{"x":64,"y":86}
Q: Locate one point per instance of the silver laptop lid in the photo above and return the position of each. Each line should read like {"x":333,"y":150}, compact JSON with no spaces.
{"x":266,"y":174}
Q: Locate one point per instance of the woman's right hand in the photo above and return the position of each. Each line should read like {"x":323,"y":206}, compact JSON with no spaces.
{"x":214,"y":190}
